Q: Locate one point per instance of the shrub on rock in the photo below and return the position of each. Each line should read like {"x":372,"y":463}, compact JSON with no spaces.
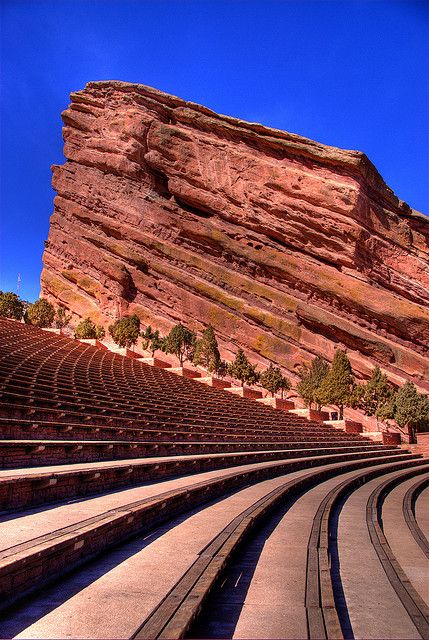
{"x":125,"y":332}
{"x":11,"y":306}
{"x":40,"y":314}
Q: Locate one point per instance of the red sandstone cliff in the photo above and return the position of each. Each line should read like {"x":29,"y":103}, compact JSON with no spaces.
{"x":286,"y":246}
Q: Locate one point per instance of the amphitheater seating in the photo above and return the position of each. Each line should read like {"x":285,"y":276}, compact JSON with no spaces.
{"x":127,"y":485}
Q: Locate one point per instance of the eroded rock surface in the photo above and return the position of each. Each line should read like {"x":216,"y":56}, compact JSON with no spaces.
{"x":287,"y":247}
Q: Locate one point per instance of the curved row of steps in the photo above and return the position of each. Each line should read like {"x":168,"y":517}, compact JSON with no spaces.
{"x":129,"y":496}
{"x":166,"y":593}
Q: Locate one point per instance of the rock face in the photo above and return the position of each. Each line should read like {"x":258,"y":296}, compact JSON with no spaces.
{"x":287,"y":247}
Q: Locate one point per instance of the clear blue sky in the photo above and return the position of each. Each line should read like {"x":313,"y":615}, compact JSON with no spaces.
{"x":349,"y":74}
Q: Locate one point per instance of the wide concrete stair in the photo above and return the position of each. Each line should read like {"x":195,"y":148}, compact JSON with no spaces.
{"x":138,"y":503}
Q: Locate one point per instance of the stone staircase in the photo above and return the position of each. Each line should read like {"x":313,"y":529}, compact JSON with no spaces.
{"x":128,"y":493}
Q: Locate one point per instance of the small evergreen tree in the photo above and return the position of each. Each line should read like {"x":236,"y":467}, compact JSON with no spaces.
{"x":61,"y":318}
{"x":180,"y":342}
{"x":156,"y":343}
{"x":411,"y":409}
{"x":377,"y":392}
{"x":272,"y":380}
{"x":222,"y":369}
{"x":147,"y":337}
{"x":242,"y":370}
{"x":40,"y":314}
{"x":99,"y":332}
{"x":125,"y":332}
{"x":337,"y":387}
{"x":87,"y":330}
{"x":11,"y":306}
{"x":207,"y":351}
{"x":311,"y":378}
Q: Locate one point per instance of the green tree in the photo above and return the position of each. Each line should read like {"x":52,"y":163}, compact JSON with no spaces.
{"x":311,"y":378}
{"x":222,"y":369}
{"x":61,"y":318}
{"x":242,"y":370}
{"x":272,"y":380}
{"x":374,"y":394}
{"x":147,"y":337}
{"x":337,"y":387}
{"x":11,"y":306}
{"x":411,"y":409}
{"x":156,"y":344}
{"x":40,"y":314}
{"x":181,"y":343}
{"x":125,"y":332}
{"x":207,"y":351}
{"x":87,"y":330}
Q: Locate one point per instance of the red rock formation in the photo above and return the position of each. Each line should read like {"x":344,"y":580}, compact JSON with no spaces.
{"x":286,"y":246}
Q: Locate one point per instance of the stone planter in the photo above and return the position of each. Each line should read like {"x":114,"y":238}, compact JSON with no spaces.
{"x":245,"y":392}
{"x":155,"y":362}
{"x":212,"y":381}
{"x":277,"y":403}
{"x":391,"y":437}
{"x":185,"y":372}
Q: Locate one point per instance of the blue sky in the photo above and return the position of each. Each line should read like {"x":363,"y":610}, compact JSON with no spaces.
{"x":349,"y":74}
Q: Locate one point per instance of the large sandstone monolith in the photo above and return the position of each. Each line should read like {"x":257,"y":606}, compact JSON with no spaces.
{"x":287,"y":247}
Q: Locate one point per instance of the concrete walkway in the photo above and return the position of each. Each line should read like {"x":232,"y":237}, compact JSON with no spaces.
{"x":408,"y":553}
{"x":374,"y":609}
{"x":112,"y":596}
{"x":422,"y":511}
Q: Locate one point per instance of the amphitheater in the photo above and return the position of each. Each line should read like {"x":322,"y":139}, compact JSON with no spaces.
{"x":136,"y":503}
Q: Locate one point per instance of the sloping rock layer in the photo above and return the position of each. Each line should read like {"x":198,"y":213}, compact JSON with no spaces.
{"x":287,"y":247}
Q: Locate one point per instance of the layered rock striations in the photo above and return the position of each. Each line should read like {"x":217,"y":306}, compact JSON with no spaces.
{"x":287,"y":247}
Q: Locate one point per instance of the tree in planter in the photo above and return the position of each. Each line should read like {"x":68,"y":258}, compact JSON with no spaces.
{"x":242,"y":370}
{"x":411,"y":409}
{"x":338,"y":385}
{"x":374,"y":394}
{"x":147,"y":336}
{"x":61,"y":318}
{"x":156,"y":344}
{"x":87,"y":330}
{"x":125,"y":331}
{"x":207,"y":351}
{"x":311,"y":378}
{"x":11,"y":306}
{"x":222,"y":369}
{"x":273,"y":381}
{"x":40,"y":314}
{"x":180,"y":342}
